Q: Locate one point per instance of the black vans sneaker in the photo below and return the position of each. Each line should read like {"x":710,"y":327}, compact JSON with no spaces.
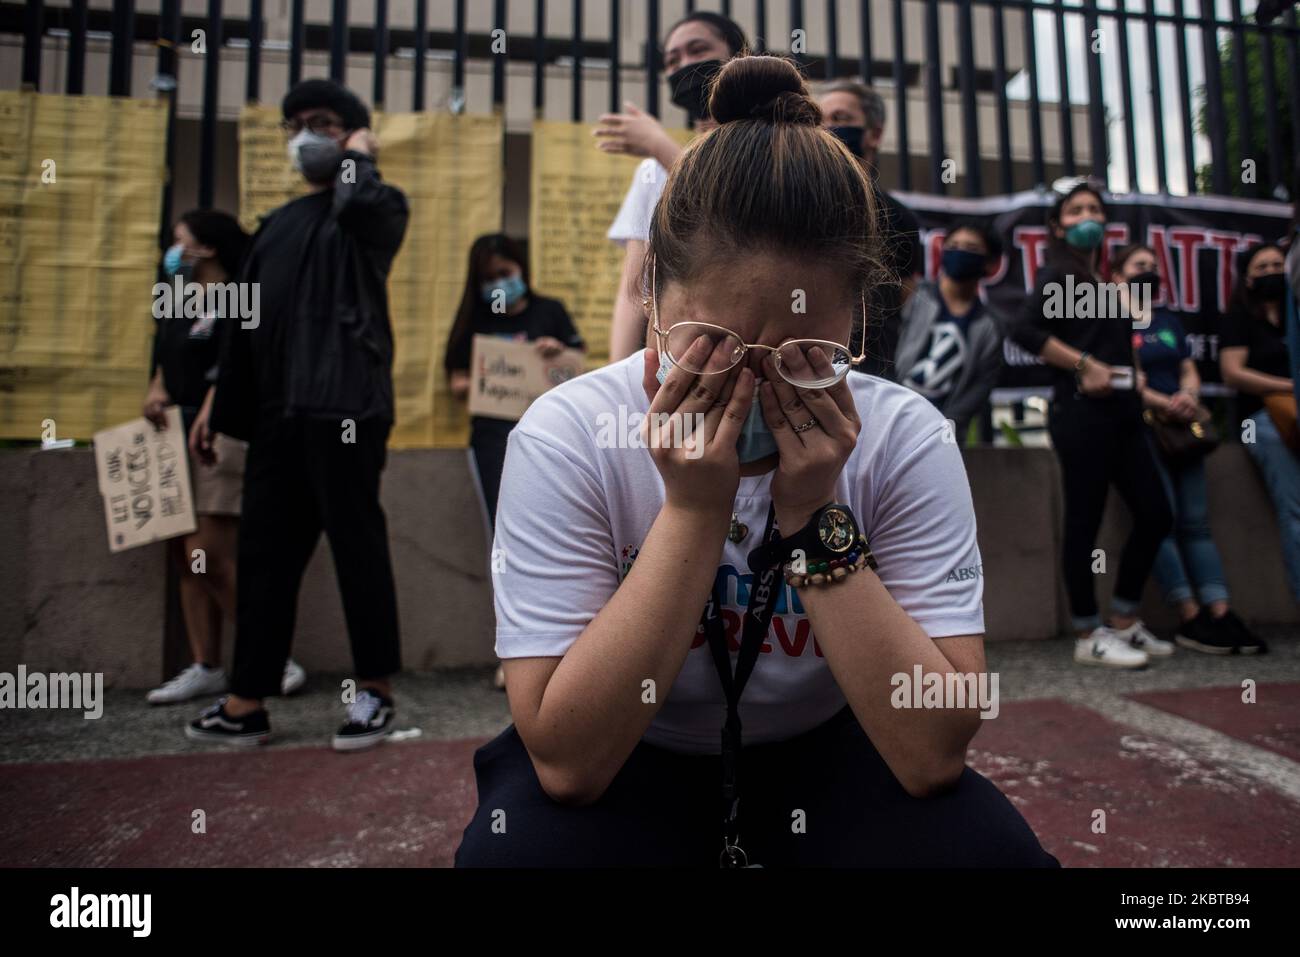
{"x":1247,"y":642}
{"x":215,"y":725}
{"x":1203,"y":633}
{"x":370,"y":720}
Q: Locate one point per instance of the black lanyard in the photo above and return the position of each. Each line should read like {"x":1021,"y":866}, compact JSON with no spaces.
{"x":758,"y":618}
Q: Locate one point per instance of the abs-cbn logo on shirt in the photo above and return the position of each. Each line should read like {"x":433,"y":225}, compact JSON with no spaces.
{"x":966,"y":574}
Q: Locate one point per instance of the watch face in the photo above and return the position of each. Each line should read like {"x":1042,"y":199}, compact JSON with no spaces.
{"x":836,"y":530}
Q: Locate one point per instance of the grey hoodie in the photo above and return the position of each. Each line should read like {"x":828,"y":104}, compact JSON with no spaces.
{"x":981,"y":368}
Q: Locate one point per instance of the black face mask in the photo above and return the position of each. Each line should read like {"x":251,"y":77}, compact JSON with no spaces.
{"x":1148,"y":282}
{"x":690,"y":87}
{"x":1269,"y":288}
{"x":850,"y":136}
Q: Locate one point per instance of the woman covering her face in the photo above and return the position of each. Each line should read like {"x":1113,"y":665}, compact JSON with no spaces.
{"x":727,"y":561}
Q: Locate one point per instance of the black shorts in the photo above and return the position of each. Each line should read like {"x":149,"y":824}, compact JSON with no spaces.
{"x":823,"y":798}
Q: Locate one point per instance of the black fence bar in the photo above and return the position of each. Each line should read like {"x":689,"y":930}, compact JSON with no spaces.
{"x":1293,"y":84}
{"x":1156,"y":91}
{"x":900,"y":101}
{"x":969,"y":112}
{"x":169,"y":29}
{"x":1064,"y":116}
{"x":499,"y":56}
{"x":577,"y":60}
{"x":1126,"y":95}
{"x":760,"y":19}
{"x":1098,"y":146}
{"x":1185,"y":107}
{"x":1035,"y":104}
{"x":339,"y":41}
{"x":1006,"y":182}
{"x":460,"y":50}
{"x":119,"y":61}
{"x":726,"y":8}
{"x":864,"y":28}
{"x":651,"y":59}
{"x":796,"y":23}
{"x":296,"y":40}
{"x":253,"y":76}
{"x":615,"y":58}
{"x":33,"y":34}
{"x":1245,"y":122}
{"x":1214,"y":111}
{"x":832,"y":40}
{"x":421,"y":52}
{"x":76,"y":78}
{"x":1276,"y":175}
{"x":381,"y":54}
{"x":211,"y":91}
{"x":934,"y":96}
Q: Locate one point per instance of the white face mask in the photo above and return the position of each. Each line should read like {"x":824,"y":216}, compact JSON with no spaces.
{"x":315,"y":155}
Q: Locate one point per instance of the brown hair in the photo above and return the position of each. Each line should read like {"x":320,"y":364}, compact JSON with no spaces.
{"x":767,"y":179}
{"x":1126,"y":253}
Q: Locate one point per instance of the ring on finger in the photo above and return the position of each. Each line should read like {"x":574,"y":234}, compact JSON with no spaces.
{"x":806,"y":426}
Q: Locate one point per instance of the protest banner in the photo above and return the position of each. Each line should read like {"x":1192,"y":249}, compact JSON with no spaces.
{"x":507,"y":375}
{"x":144,"y":477}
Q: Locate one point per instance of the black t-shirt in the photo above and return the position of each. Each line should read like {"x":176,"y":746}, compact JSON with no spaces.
{"x":541,"y":317}
{"x":186,"y":349}
{"x":900,"y":243}
{"x":1108,"y":337}
{"x":1266,"y":352}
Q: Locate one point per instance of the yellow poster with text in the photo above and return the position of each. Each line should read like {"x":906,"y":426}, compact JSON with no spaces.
{"x":82,"y":179}
{"x":450,"y":168}
{"x":576,"y":193}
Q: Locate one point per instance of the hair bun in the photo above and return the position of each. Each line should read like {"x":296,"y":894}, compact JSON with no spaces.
{"x":765,"y":88}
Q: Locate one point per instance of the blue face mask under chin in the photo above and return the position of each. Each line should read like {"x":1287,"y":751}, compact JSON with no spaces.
{"x":756,"y":439}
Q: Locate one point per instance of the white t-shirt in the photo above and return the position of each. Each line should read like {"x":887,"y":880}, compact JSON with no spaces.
{"x":633,"y":219}
{"x":574,"y":510}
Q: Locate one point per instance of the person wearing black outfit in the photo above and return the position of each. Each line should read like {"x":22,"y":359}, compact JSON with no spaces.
{"x":498,"y":301}
{"x":308,"y":382}
{"x":855,"y":114}
{"x":1095,"y":421}
{"x":207,"y":249}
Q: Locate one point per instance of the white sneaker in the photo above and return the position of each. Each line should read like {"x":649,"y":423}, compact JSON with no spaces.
{"x":195,"y":681}
{"x":295,"y":676}
{"x":1106,"y":648}
{"x":1138,"y":637}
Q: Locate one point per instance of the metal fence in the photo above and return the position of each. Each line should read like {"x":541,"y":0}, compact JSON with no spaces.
{"x":1198,"y":36}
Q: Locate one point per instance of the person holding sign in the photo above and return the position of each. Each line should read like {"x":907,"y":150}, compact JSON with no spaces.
{"x":208,"y":247}
{"x":308,"y":382}
{"x":622,"y":598}
{"x":695,"y":48}
{"x":1096,"y":426}
{"x":498,"y":301}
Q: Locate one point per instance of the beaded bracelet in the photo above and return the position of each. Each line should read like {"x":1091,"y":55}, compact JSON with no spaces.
{"x":834,"y":570}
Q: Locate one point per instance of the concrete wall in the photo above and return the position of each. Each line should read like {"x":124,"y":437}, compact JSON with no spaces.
{"x":66,"y":603}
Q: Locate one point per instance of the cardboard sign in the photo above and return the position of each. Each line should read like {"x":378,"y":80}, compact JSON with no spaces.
{"x":144,"y":476}
{"x":506,"y":375}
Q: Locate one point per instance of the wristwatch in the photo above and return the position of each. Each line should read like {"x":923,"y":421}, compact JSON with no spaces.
{"x":831,"y":547}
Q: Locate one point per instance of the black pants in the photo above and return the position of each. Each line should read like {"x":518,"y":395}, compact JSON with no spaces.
{"x":488,"y":439}
{"x":664,"y":809}
{"x":1101,"y":442}
{"x":301,"y":478}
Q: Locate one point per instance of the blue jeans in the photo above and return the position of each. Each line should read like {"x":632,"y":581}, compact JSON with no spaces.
{"x":1188,"y":555}
{"x":1281,"y":470}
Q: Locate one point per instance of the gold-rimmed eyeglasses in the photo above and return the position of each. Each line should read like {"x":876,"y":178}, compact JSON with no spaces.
{"x":723,"y":350}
